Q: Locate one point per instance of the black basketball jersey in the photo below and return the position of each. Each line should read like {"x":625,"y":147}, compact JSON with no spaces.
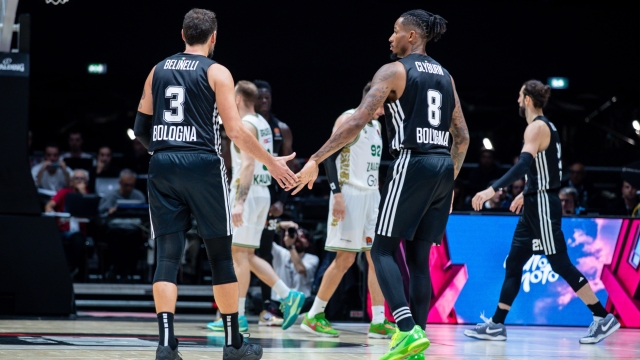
{"x":420,"y":119}
{"x":545,"y":173}
{"x":184,"y":105}
{"x":274,"y":123}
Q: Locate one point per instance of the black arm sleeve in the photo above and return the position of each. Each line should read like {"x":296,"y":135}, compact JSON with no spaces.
{"x":142,"y":128}
{"x":515,"y":173}
{"x":332,"y":171}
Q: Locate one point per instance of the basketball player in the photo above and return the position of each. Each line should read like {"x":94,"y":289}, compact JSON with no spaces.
{"x":282,"y":146}
{"x":251,"y":202}
{"x":429,"y":139}
{"x":353,"y":210}
{"x":538,"y":231}
{"x":181,"y":96}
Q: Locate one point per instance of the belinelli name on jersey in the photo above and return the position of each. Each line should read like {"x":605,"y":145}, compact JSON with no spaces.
{"x":182,"y":64}
{"x":429,"y":68}
{"x":174,"y":133}
{"x":432,"y":136}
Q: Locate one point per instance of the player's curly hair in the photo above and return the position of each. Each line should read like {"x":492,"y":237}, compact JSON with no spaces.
{"x":538,"y":92}
{"x":198,"y":26}
{"x":429,"y":26}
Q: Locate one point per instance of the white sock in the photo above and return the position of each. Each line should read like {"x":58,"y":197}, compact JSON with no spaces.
{"x":378,"y":314}
{"x":281,"y":289}
{"x":317,"y":307}
{"x":241,"y":305}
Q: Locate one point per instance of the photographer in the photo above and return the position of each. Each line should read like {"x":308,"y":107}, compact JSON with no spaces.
{"x":52,"y":173}
{"x":293,"y":264}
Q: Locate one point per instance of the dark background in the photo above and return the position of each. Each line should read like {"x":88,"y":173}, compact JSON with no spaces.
{"x":318,"y":55}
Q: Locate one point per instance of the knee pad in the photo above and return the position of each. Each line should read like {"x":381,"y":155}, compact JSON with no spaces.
{"x":561,"y":265}
{"x":221,"y":260}
{"x":170,"y":248}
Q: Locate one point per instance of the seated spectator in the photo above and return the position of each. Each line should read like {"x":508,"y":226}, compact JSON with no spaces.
{"x":627,"y":203}
{"x":104,"y":166}
{"x":498,"y":202}
{"x":52,"y":173}
{"x":109,"y":203}
{"x":122,"y":235}
{"x":578,"y":180}
{"x":570,"y":203}
{"x":486,"y":171}
{"x":72,"y":233}
{"x":75,"y":147}
{"x":140,"y":160}
{"x":516,"y":188}
{"x":293,"y":264}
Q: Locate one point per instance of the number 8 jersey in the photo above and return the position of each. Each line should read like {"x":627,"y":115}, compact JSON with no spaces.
{"x":420,"y":119}
{"x":184,"y":105}
{"x":359,"y":161}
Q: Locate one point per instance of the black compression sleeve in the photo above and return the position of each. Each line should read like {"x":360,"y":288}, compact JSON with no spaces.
{"x":332,"y":171}
{"x":515,"y":173}
{"x":142,"y":128}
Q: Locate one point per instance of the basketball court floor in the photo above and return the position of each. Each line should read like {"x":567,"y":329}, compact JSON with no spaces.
{"x":123,"y":336}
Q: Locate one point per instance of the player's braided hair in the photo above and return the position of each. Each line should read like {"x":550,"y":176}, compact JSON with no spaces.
{"x":538,"y":92}
{"x":430,"y":26}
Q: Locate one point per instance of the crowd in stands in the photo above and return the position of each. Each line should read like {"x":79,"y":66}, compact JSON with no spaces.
{"x":114,"y":235}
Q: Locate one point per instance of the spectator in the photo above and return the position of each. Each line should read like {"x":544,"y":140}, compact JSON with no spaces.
{"x":75,"y":147}
{"x":109,"y":203}
{"x":498,"y":202}
{"x":570,"y":203}
{"x":72,"y":233}
{"x":458,"y":196}
{"x":121,"y":234}
{"x":516,"y":188}
{"x":104,"y":166}
{"x":578,"y":181}
{"x":486,"y":171}
{"x":627,"y":203}
{"x":52,"y":173}
{"x":293,"y":264}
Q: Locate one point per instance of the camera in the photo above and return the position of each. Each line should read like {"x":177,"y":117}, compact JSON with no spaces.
{"x":292,"y":232}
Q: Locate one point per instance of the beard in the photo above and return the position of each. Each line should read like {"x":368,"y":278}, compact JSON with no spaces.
{"x":210,"y":55}
{"x":394,"y":56}
{"x":521,"y":112}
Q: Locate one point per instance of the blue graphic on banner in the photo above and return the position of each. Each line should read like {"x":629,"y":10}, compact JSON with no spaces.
{"x":482,"y":243}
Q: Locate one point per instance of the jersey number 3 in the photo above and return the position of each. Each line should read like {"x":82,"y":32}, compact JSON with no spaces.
{"x":176,"y":114}
{"x":435,"y":102}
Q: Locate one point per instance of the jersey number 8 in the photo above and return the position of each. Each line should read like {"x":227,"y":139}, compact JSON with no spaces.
{"x":176,"y":114}
{"x":435,"y":102}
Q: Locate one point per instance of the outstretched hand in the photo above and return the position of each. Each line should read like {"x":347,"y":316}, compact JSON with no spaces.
{"x":516,"y":204}
{"x":307,"y":176}
{"x":481,"y":197}
{"x":281,"y":172}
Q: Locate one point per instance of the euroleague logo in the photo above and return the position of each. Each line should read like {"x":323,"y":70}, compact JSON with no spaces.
{"x":536,"y":271}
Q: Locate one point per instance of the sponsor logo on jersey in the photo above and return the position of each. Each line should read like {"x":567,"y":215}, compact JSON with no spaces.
{"x":429,"y":68}
{"x":432,"y":136}
{"x":372,"y":181}
{"x":373,"y":166}
{"x":174,"y":133}
{"x":369,"y":241}
{"x":181,"y":64}
{"x":536,"y":271}
{"x":7,"y":64}
{"x":266,"y":140}
{"x":261,"y":179}
{"x":265,"y":132}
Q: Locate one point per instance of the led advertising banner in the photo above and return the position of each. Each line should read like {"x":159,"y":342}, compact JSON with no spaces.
{"x":482,"y":243}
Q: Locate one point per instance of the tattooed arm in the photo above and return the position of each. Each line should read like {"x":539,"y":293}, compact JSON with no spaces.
{"x":384,"y":82}
{"x":246,"y":177}
{"x":460,"y":134}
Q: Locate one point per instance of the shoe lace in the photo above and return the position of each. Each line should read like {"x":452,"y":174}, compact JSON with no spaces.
{"x":484,"y":319}
{"x":592,"y":328}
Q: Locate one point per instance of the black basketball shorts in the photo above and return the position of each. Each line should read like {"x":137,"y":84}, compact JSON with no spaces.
{"x":416,"y":197}
{"x":539,"y":227}
{"x":182,"y":184}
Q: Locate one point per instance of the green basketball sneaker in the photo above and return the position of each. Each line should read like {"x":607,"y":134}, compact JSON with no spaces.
{"x":243,"y":325}
{"x":318,"y":325}
{"x":419,"y":356}
{"x":384,"y":330}
{"x":405,"y":344}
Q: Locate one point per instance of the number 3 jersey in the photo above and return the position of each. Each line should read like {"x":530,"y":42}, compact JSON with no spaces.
{"x":420,"y":119}
{"x":359,"y":161}
{"x":184,"y":105}
{"x":261,"y":176}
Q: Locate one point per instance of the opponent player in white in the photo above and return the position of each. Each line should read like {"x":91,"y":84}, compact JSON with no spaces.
{"x":353,"y":211}
{"x":251,"y":202}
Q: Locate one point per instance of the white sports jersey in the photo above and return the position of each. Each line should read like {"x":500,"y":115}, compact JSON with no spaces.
{"x":359,"y":161}
{"x":261,"y":176}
